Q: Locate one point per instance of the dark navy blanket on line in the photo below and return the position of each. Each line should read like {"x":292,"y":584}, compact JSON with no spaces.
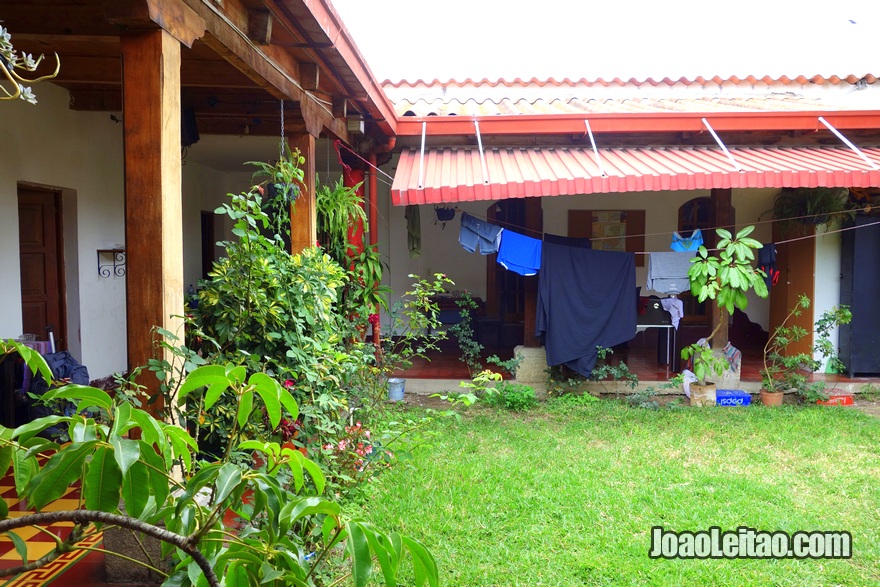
{"x":585,"y":300}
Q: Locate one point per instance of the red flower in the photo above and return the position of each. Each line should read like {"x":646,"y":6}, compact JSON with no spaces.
{"x":289,"y":383}
{"x":374,"y":319}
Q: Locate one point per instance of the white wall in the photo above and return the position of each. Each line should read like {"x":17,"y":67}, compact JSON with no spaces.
{"x":49,"y":145}
{"x":827,"y":276}
{"x":81,"y":154}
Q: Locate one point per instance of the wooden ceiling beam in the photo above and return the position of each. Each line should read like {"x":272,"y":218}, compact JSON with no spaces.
{"x":173,"y":16}
{"x":193,"y":73}
{"x":260,"y":26}
{"x":62,"y":19}
{"x":237,"y":50}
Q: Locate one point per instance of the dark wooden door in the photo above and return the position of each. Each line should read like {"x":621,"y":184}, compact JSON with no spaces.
{"x":42,"y":265}
{"x":505,"y":290}
{"x":796,"y":263}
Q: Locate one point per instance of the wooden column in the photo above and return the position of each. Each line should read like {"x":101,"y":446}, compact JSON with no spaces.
{"x":722,"y":216}
{"x":153,"y":217}
{"x":303,"y":218}
{"x":535,"y":227}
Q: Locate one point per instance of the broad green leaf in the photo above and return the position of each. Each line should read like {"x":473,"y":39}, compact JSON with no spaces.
{"x":723,"y":233}
{"x":88,"y":397}
{"x":102,"y":482}
{"x":228,"y":479}
{"x":27,"y":431}
{"x":359,"y":549}
{"x":182,"y":442}
{"x":121,"y":419}
{"x":289,"y":404}
{"x":84,"y":430}
{"x":385,"y":554}
{"x":33,"y":359}
{"x":745,"y":232}
{"x":23,"y":468}
{"x":424,"y":563}
{"x":203,"y":477}
{"x":126,"y":452}
{"x":151,"y":432}
{"x":20,"y":546}
{"x":204,"y":376}
{"x":245,"y":407}
{"x":215,"y":391}
{"x":5,"y":450}
{"x":4,"y":509}
{"x":270,"y":392}
{"x":62,"y":469}
{"x":157,"y":470}
{"x":136,"y":489}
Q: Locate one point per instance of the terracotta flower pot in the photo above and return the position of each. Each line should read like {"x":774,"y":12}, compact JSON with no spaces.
{"x":772,"y":398}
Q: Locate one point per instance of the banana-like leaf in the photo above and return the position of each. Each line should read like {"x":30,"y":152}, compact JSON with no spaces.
{"x":245,"y":407}
{"x":270,"y":392}
{"x":424,"y":563}
{"x":359,"y":549}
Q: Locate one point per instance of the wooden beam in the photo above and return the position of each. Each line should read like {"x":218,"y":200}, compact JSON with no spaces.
{"x":340,"y":106}
{"x":173,"y":16}
{"x":260,"y":26}
{"x":153,"y":215}
{"x":303,"y":218}
{"x":235,"y":49}
{"x":309,"y":75}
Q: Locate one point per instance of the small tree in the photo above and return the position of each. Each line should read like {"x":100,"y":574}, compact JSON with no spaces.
{"x":725,"y":278}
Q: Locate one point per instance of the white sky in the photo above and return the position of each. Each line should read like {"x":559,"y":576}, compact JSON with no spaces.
{"x":457,"y":39}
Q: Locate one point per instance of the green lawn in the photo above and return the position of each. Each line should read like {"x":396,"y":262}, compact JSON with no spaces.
{"x":568,"y":496}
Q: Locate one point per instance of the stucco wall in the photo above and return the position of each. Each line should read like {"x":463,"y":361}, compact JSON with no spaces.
{"x":81,"y":154}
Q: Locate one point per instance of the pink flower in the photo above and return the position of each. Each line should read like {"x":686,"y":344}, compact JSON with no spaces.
{"x":261,"y":190}
{"x":288,"y":383}
{"x":374,"y":319}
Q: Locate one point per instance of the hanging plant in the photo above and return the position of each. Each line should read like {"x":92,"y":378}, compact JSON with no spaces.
{"x":282,"y":182}
{"x":816,"y":206}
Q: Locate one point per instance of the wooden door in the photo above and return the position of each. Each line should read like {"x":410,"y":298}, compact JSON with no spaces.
{"x":796,"y":263}
{"x":42,"y":264}
{"x":505,"y":290}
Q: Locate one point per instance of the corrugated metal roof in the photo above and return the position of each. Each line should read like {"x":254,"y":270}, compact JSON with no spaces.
{"x":699,"y":81}
{"x":457,"y":174}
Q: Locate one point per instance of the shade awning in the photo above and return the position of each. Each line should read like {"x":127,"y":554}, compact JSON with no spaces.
{"x":446,"y":175}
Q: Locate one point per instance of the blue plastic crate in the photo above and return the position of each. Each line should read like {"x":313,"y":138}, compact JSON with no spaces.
{"x":732,"y":397}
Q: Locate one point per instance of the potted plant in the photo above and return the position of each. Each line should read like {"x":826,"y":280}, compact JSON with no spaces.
{"x":783,"y":372}
{"x":814,"y":206}
{"x":282,"y":182}
{"x":725,"y":278}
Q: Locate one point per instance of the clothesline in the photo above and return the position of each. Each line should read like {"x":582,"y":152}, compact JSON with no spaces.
{"x":506,"y":225}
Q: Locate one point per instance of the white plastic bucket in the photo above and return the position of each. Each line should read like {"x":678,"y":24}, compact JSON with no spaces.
{"x":395,"y":389}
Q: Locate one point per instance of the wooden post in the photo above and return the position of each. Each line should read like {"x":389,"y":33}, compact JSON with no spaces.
{"x":534,"y":226}
{"x":153,"y":212}
{"x":722,"y":217}
{"x":303,"y":217}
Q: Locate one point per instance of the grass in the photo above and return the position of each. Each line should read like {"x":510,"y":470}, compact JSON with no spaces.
{"x":568,"y":496}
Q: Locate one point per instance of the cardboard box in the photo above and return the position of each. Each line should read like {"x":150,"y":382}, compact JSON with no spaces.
{"x":837,"y":399}
{"x":732,"y":397}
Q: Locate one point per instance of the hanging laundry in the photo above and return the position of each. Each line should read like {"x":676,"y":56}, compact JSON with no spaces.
{"x":767,"y":264}
{"x":478,"y":233}
{"x":413,"y":230}
{"x":668,"y":272}
{"x":569,"y":241}
{"x":520,"y":254}
{"x":675,"y":307}
{"x":691,"y":243}
{"x":733,"y":355}
{"x":585,"y":300}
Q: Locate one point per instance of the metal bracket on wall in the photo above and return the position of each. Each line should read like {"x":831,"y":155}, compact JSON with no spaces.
{"x":111,"y":263}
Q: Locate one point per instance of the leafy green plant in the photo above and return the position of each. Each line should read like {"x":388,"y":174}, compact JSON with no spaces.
{"x":463,"y":331}
{"x":510,"y":365}
{"x":11,"y":62}
{"x":782,"y":371}
{"x":480,"y":386}
{"x":818,"y":206}
{"x":563,"y":381}
{"x":725,"y":278}
{"x":338,"y":208}
{"x":282,"y":182}
{"x":518,"y":397}
{"x":155,"y":486}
